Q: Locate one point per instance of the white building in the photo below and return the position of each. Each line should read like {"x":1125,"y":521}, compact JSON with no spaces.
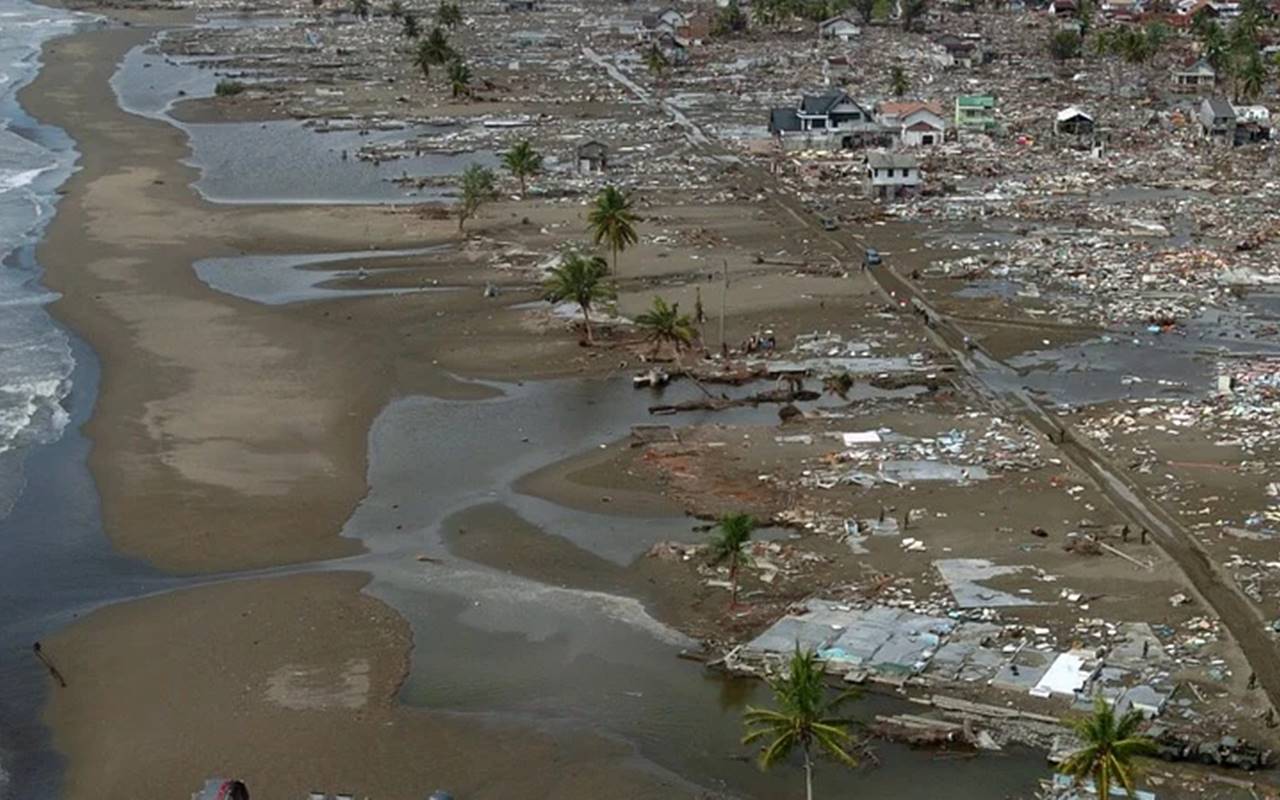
{"x":919,"y":124}
{"x":841,"y":28}
{"x":889,"y":175}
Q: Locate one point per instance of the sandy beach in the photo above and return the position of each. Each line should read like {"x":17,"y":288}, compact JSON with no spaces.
{"x":227,"y":436}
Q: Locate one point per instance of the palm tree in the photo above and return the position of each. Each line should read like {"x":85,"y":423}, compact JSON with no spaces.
{"x":435,"y":48}
{"x":611,"y":221}
{"x":449,"y":15}
{"x":523,"y":161}
{"x":360,"y":8}
{"x":396,"y":9}
{"x":581,"y":279}
{"x":1252,"y":77}
{"x":459,"y":78}
{"x":657,"y":64}
{"x":899,"y":83}
{"x":804,"y":718}
{"x":1109,"y":745}
{"x":729,"y":543}
{"x":411,"y":29}
{"x":478,"y":188}
{"x":664,"y":324}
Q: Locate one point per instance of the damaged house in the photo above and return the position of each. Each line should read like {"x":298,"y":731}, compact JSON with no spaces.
{"x":891,"y":175}
{"x":1217,"y":120}
{"x":1253,"y":124}
{"x":962,"y":51}
{"x":832,"y":119}
{"x":976,"y":112}
{"x":840,"y":27}
{"x":1194,"y":78}
{"x":917,"y":123}
{"x":1073,"y":121}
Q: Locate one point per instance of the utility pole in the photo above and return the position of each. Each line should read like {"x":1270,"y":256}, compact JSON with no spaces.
{"x":724,"y":301}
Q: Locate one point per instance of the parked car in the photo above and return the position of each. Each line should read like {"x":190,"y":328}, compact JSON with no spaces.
{"x":829,"y":224}
{"x":872,"y":257}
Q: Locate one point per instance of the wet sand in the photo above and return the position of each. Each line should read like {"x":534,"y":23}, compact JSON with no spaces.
{"x":290,"y":684}
{"x":230,"y":436}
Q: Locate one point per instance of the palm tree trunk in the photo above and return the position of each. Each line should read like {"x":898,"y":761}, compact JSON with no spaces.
{"x":808,"y":774}
{"x":586,"y":321}
{"x":733,"y":581}
{"x":614,"y":249}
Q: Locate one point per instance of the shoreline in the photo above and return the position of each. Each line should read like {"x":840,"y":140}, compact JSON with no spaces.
{"x":122,"y":205}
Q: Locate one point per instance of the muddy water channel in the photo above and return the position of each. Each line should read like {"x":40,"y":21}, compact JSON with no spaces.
{"x":492,"y":642}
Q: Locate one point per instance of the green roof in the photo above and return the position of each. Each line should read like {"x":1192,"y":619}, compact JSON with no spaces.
{"x":976,"y":100}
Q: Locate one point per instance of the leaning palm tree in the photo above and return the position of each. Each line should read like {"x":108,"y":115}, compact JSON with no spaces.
{"x":664,"y":324}
{"x":1109,"y":745}
{"x":581,"y":279}
{"x":459,"y":79}
{"x":523,"y":162}
{"x":805,"y":719}
{"x":729,"y":544}
{"x":612,"y":222}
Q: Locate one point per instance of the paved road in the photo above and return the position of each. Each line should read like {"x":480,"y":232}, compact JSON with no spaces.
{"x":999,"y":382}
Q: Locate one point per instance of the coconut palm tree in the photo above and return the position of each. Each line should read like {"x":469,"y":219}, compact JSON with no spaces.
{"x":459,"y":78}
{"x":729,"y":544}
{"x":581,"y":279}
{"x":1109,"y":745}
{"x":410,"y":29}
{"x":478,"y":187}
{"x":899,"y":83}
{"x":804,"y":718}
{"x":1252,"y":77}
{"x":664,"y":324}
{"x":612,"y":222}
{"x":435,"y":48}
{"x":523,"y":162}
{"x":656,"y":63}
{"x":449,"y":15}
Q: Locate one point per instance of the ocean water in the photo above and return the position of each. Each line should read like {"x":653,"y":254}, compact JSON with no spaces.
{"x":35,"y":354}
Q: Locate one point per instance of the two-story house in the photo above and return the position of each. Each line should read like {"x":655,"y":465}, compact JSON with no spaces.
{"x":890,"y":175}
{"x":832,"y":118}
{"x":976,"y":112}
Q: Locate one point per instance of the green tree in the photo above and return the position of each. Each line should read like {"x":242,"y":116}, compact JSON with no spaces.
{"x":1064,"y":44}
{"x":866,"y":10}
{"x":913,"y":12}
{"x":459,"y":78}
{"x":656,"y":63}
{"x":360,"y":8}
{"x":612,"y":222}
{"x":805,"y":719}
{"x":729,"y":20}
{"x":729,"y":543}
{"x":523,"y":162}
{"x":396,"y":9}
{"x":1085,"y":14}
{"x":764,"y":12}
{"x":478,"y":187}
{"x":435,"y":49}
{"x":1108,"y":748}
{"x":1251,"y":77}
{"x":664,"y":324}
{"x":899,"y":83}
{"x":581,"y":279}
{"x":1214,"y":45}
{"x":449,"y":15}
{"x":410,"y":26}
